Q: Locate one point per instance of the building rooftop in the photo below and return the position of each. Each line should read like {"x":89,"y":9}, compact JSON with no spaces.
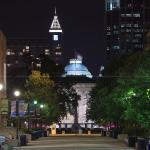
{"x":76,"y":68}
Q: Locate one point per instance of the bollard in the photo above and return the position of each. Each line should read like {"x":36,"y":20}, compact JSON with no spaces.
{"x":89,"y":132}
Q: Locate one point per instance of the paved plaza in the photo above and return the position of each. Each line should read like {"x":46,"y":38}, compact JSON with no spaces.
{"x":75,"y":143}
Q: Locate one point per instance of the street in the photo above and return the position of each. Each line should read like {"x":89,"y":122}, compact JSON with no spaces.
{"x":75,"y":143}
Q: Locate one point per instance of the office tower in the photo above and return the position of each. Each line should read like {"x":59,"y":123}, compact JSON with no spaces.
{"x":56,"y":40}
{"x":127,"y":23}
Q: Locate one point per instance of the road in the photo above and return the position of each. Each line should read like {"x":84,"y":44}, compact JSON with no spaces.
{"x":75,"y":143}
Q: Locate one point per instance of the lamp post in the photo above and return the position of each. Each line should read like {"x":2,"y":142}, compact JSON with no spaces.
{"x":3,"y":106}
{"x":35,"y":103}
{"x":41,"y":107}
{"x":1,"y":88}
{"x":17,"y":94}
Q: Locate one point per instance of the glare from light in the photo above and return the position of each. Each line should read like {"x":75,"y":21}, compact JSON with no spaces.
{"x":35,"y":102}
{"x":1,"y":86}
{"x":17,"y":93}
{"x":41,"y":106}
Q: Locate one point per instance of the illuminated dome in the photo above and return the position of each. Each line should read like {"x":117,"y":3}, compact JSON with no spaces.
{"x":76,"y":68}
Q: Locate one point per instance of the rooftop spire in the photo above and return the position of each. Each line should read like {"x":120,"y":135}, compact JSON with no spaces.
{"x":55,"y":11}
{"x":55,"y":26}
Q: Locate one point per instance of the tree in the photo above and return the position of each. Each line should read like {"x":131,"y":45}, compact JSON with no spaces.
{"x":39,"y":87}
{"x":58,"y":99}
{"x":103,"y":106}
{"x":68,"y":98}
{"x":124,"y":94}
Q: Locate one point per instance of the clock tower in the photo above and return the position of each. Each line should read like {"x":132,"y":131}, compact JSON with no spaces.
{"x":56,"y":40}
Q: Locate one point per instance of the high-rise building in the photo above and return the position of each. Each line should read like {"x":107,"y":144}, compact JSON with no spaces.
{"x":56,"y":40}
{"x":23,"y":56}
{"x":127,"y":23}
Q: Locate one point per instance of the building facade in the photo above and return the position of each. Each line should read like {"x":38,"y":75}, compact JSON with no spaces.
{"x":2,"y":59}
{"x":83,"y":85}
{"x":127,"y":23}
{"x":3,"y":100}
{"x":56,"y":40}
{"x":23,"y":56}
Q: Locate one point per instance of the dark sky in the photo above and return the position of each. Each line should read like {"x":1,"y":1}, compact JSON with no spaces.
{"x":81,"y":21}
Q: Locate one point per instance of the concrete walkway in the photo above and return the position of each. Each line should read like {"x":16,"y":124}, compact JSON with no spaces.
{"x":75,"y":143}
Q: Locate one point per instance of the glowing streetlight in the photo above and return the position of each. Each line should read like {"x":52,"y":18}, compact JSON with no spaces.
{"x":1,"y":86}
{"x":35,"y":102}
{"x":17,"y":93}
{"x":41,"y":106}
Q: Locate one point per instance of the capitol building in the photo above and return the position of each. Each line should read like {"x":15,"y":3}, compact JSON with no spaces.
{"x":83,"y":86}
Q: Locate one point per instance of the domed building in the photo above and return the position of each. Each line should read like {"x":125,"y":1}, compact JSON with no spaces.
{"x":76,"y":68}
{"x":83,"y":82}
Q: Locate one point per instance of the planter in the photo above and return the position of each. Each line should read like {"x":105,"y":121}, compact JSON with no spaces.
{"x":114,"y":134}
{"x":131,"y":141}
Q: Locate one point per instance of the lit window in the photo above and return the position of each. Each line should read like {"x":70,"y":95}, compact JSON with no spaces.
{"x":135,"y":25}
{"x":58,"y":53}
{"x":108,"y":28}
{"x":8,"y":53}
{"x":38,"y":65}
{"x":55,"y":37}
{"x":47,"y":52}
{"x":108,"y":6}
{"x":116,"y":47}
{"x":8,"y":65}
{"x":114,"y":5}
{"x":27,"y":47}
{"x":136,"y":15}
{"x":108,"y":48}
{"x":129,"y":15}
{"x":108,"y":33}
{"x":128,"y":25}
{"x":122,"y":25}
{"x":20,"y":53}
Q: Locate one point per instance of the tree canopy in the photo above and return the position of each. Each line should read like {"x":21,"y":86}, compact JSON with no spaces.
{"x":122,"y":94}
{"x":58,"y":99}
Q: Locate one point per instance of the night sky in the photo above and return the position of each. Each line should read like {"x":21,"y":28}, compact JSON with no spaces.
{"x":82,"y":22}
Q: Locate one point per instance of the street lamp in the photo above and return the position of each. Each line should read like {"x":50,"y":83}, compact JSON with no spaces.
{"x":41,"y":107}
{"x":35,"y":103}
{"x":17,"y":94}
{"x":1,"y":86}
{"x":3,"y":106}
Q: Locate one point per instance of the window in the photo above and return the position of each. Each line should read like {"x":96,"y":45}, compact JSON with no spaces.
{"x":58,"y":53}
{"x":108,"y":6}
{"x":55,"y":37}
{"x":136,"y":15}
